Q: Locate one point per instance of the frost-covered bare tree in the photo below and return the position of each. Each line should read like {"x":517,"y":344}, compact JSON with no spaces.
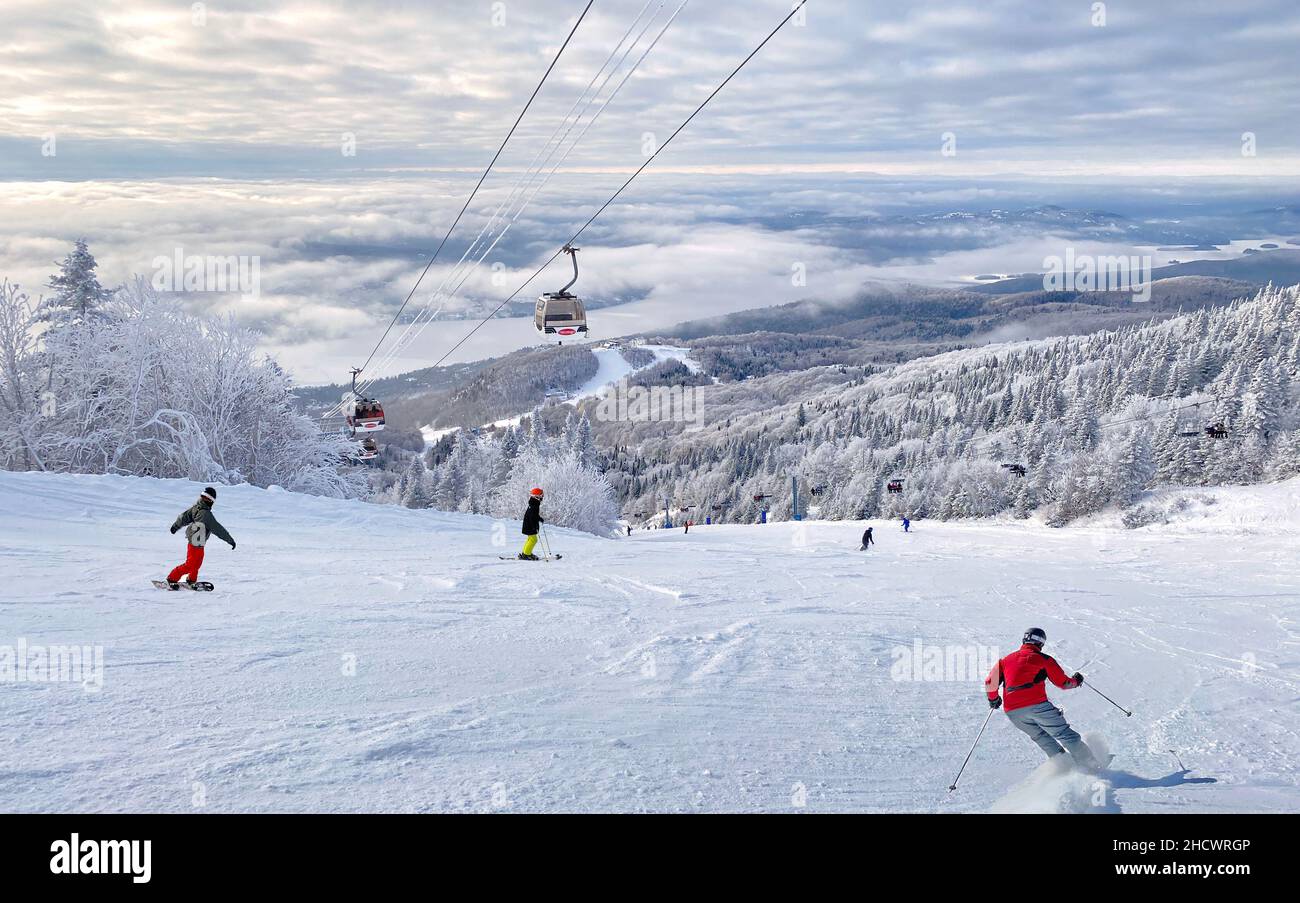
{"x":493,"y":476}
{"x":22,"y":407}
{"x":151,"y":390}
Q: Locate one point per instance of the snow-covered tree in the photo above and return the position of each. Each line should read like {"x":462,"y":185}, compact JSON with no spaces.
{"x":154,"y":391}
{"x":414,"y":485}
{"x":576,"y":496}
{"x":78,"y":297}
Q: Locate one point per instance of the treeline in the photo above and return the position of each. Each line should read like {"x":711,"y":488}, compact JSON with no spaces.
{"x":1092,"y":421}
{"x":493,"y":475}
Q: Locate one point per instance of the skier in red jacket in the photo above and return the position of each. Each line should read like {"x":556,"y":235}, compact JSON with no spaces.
{"x":1025,"y":673}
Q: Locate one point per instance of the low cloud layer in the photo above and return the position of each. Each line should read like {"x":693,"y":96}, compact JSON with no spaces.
{"x":337,"y":257}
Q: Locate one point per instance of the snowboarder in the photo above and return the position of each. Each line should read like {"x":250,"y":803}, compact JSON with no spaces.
{"x":1025,"y":673}
{"x":533,"y":521}
{"x":907,"y":525}
{"x":867,"y":539}
{"x":199,"y":524}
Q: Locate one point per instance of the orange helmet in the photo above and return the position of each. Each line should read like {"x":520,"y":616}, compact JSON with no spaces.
{"x":537,"y":493}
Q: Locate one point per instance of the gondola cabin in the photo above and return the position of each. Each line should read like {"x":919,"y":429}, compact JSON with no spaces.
{"x":364,"y":415}
{"x":368,"y":450}
{"x":561,"y":314}
{"x":894,"y":485}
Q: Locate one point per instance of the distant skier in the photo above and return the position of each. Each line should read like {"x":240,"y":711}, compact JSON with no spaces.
{"x":1025,"y":673}
{"x":867,"y":540}
{"x":198,"y":523}
{"x":533,"y":521}
{"x":688,"y":527}
{"x":629,"y":529}
{"x":907,"y":525}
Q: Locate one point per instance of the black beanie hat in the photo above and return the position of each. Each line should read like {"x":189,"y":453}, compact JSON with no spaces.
{"x":209,"y":493}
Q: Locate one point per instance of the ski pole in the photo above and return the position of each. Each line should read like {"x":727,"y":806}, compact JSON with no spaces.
{"x":953,"y":786}
{"x":1108,"y":699}
{"x":546,"y":542}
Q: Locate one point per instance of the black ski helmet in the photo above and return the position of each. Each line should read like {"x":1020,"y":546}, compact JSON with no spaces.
{"x":1035,"y":635}
{"x":209,"y":493}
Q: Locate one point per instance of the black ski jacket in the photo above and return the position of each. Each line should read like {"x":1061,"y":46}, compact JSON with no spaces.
{"x":533,"y":517}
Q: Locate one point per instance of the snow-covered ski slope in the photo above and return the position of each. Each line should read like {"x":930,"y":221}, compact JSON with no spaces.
{"x":358,"y":657}
{"x":611,"y":367}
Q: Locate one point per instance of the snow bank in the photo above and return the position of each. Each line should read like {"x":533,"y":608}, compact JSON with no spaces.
{"x":1261,"y":508}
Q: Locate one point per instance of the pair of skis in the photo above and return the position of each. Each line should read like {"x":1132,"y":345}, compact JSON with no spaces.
{"x":538,"y":558}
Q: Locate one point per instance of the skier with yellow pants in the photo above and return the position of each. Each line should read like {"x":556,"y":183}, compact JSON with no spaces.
{"x":533,"y":521}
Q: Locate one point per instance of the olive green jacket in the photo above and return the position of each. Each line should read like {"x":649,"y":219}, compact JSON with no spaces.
{"x":199,"y":524}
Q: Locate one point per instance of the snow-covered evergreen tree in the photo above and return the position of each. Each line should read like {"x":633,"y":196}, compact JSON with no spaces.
{"x":78,"y":297}
{"x":414,"y":485}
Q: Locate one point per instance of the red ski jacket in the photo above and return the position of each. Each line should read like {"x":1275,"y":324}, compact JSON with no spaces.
{"x":1025,"y":672}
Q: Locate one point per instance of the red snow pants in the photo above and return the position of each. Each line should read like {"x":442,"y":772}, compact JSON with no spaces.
{"x":193,"y":561}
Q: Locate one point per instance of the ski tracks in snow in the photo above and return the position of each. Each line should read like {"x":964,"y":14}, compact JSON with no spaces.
{"x":737,"y":668}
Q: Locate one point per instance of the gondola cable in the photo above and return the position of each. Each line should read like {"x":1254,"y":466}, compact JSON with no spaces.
{"x":525,"y":186}
{"x":479,"y":185}
{"x":793,"y":12}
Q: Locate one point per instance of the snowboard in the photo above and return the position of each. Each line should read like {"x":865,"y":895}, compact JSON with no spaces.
{"x":202,"y":586}
{"x":539,"y":558}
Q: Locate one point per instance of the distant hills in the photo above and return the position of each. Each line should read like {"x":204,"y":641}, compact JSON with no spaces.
{"x":883,"y":324}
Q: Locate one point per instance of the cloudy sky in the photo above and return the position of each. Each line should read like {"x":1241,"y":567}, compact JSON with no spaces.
{"x":229,"y":128}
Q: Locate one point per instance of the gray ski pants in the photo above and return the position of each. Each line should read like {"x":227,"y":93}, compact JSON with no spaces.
{"x":1046,"y":725}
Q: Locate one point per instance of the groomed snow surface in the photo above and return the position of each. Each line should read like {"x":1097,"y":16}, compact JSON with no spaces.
{"x":364,"y":658}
